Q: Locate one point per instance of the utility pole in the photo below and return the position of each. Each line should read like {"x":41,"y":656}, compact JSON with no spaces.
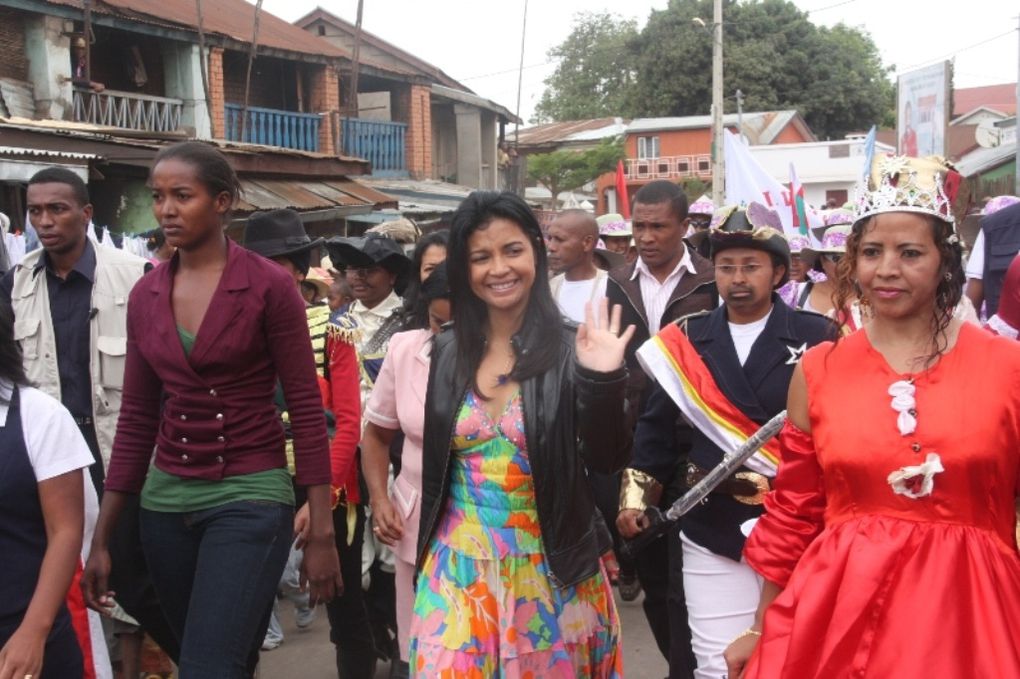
{"x":204,"y":67}
{"x":740,"y":113}
{"x":353,"y":109}
{"x":247,"y":77}
{"x":718,"y":167}
{"x":520,"y":73}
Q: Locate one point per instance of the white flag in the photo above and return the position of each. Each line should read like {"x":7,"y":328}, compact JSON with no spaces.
{"x":747,"y":182}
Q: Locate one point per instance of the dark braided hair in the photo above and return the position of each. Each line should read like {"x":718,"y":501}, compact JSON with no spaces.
{"x":948,"y":293}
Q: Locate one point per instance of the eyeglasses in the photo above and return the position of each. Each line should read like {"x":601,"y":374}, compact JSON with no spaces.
{"x":833,"y":257}
{"x":362,"y":271}
{"x":732,"y":269}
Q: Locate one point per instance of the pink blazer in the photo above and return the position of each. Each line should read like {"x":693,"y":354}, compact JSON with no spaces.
{"x":407,"y":359}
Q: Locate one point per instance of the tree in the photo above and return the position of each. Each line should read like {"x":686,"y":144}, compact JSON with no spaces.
{"x":567,"y":170}
{"x":595,"y":73}
{"x":772,"y":52}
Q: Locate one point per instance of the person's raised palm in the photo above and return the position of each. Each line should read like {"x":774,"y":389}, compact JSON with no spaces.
{"x":600,"y":345}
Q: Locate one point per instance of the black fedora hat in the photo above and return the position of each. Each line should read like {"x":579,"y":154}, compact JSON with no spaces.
{"x":277,"y":233}
{"x":369,"y":250}
{"x":756,"y":227}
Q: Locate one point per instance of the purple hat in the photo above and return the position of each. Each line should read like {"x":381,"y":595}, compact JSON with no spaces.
{"x":833,"y":243}
{"x":997,"y":203}
{"x":702,"y":206}
{"x":614,"y":225}
{"x":797,"y":243}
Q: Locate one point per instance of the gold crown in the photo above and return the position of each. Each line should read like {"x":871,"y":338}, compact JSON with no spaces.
{"x":903,"y":184}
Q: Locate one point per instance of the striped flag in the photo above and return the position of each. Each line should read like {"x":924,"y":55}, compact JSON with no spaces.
{"x":803,"y":217}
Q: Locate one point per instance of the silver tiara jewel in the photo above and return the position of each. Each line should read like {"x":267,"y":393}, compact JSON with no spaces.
{"x":901,"y":188}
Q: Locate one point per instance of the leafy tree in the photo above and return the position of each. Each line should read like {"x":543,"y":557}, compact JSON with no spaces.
{"x":772,"y":52}
{"x":567,"y":170}
{"x":595,"y":74}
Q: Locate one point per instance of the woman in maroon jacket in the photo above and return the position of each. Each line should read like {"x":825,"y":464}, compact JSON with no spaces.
{"x":209,"y":334}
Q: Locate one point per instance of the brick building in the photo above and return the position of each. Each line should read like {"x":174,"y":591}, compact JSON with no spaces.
{"x":448,"y":132}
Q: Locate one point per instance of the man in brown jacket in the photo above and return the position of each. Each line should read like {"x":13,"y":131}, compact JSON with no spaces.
{"x":669,"y":280}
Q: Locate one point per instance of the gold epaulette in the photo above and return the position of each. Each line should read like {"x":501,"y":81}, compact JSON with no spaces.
{"x":344,"y":329}
{"x":639,"y":490}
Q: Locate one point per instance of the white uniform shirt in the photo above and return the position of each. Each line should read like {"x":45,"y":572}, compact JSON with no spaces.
{"x":654,"y":294}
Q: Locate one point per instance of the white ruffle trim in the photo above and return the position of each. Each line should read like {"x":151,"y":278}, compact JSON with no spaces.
{"x":1001,"y":327}
{"x":917,"y":480}
{"x":903,"y":403}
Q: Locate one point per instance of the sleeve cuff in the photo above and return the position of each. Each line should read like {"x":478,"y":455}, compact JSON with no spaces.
{"x":639,"y":490}
{"x":601,"y":377}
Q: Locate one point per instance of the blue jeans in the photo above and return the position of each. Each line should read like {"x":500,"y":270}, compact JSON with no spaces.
{"x":216,"y":572}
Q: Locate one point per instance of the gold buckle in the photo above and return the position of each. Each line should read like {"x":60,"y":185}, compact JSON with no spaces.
{"x":760,"y":481}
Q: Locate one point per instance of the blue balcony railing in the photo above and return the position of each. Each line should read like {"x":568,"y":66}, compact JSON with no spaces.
{"x":380,"y":143}
{"x":271,"y":127}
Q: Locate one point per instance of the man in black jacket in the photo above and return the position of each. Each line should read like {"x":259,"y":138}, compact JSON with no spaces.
{"x":668,"y":281}
{"x":748,"y":348}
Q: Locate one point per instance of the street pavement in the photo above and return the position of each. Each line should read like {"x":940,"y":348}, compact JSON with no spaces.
{"x":307,"y":654}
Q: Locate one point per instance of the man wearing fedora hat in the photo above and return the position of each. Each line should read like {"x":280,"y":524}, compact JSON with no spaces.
{"x":363,"y":626}
{"x":280,"y":236}
{"x":745,"y":351}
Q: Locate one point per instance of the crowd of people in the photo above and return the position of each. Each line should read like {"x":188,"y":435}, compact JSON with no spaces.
{"x":450,"y":449}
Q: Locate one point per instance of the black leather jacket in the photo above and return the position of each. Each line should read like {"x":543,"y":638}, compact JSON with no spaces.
{"x":573,"y":420}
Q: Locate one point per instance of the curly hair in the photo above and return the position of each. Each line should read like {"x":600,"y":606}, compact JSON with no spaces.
{"x":948,"y":293}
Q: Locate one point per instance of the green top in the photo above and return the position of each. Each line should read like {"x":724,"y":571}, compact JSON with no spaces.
{"x":164,"y":492}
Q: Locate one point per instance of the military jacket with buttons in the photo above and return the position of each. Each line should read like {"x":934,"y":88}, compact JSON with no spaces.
{"x":211,"y":414}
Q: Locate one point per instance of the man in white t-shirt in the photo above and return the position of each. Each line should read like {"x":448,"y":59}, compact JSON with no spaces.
{"x":741,"y":356}
{"x":571,"y":243}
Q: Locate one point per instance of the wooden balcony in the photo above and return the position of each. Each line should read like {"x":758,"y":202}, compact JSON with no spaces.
{"x":127,"y":110}
{"x":287,"y":129}
{"x":669,"y":167}
{"x":379,"y":142}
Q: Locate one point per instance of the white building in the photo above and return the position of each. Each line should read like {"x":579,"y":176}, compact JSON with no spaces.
{"x":828,"y":170}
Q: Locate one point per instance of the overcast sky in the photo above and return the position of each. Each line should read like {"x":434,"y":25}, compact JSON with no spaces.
{"x":478,"y":42}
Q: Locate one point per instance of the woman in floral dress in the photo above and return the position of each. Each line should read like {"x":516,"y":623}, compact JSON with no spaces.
{"x":519,"y":406}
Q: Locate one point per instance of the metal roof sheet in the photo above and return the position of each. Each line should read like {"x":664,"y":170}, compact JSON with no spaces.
{"x":230,"y":18}
{"x":42,"y":153}
{"x":301,"y":195}
{"x":557,"y":133}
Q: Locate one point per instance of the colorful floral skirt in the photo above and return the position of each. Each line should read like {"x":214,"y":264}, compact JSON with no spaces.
{"x":485,"y":605}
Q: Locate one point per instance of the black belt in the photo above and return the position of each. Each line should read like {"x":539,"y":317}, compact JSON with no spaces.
{"x":86,"y":421}
{"x":746,"y":487}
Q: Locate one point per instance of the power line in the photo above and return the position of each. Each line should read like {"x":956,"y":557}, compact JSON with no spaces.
{"x":509,"y":70}
{"x":833,"y":6}
{"x":957,"y":51}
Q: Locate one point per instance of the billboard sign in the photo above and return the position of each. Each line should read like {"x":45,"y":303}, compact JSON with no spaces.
{"x":922,"y":111}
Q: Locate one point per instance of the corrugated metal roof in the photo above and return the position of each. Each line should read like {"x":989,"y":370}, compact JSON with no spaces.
{"x":301,"y":195}
{"x":561,"y":132}
{"x":981,"y":160}
{"x":230,"y":18}
{"x":421,"y":66}
{"x":761,"y":127}
{"x":41,"y":153}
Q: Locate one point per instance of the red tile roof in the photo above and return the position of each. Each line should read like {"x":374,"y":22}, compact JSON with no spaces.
{"x":996,"y":97}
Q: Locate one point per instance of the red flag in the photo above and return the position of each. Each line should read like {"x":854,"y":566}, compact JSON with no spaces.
{"x":622,"y":200}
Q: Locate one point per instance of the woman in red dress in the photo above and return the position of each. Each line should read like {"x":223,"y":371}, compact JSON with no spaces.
{"x":888,"y":546}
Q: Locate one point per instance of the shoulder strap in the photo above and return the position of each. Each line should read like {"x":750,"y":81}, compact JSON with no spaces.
{"x":383,"y":334}
{"x":805,"y":293}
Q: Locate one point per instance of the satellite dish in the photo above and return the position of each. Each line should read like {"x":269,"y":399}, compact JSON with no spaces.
{"x":987,"y":135}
